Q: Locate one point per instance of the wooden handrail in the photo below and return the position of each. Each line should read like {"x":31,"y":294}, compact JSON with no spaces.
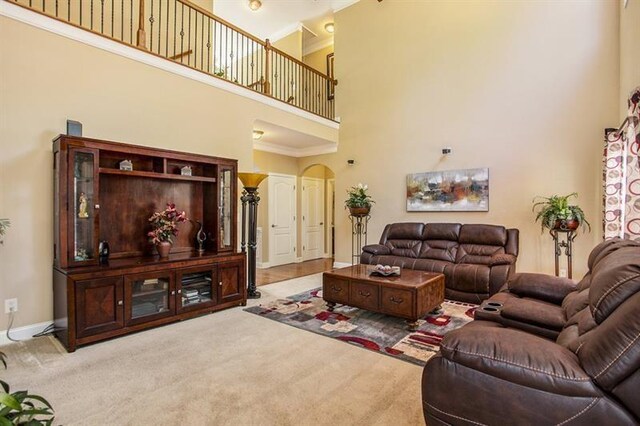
{"x":220,"y":20}
{"x":299,"y":62}
{"x":180,"y":55}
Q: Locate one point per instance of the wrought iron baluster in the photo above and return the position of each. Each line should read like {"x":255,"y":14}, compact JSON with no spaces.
{"x":92,"y":14}
{"x":189,"y":38}
{"x":209,"y":45}
{"x":182,"y":32}
{"x":160,"y":26}
{"x":101,"y":16}
{"x":151,"y":21}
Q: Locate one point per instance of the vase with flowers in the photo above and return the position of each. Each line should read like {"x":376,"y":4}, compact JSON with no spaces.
{"x":358,"y":201}
{"x":164,"y":226}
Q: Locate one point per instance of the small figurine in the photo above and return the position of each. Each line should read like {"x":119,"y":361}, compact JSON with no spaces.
{"x":201,"y":237}
{"x":82,"y":206}
{"x":126,"y":165}
{"x":81,"y":254}
{"x":186,"y":171}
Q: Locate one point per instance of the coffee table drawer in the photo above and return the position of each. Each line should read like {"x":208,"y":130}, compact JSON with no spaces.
{"x":397,"y":302}
{"x":335,"y":289}
{"x":364,"y":296}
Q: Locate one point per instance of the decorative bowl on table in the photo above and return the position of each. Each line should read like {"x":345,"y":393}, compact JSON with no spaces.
{"x":386,"y":270}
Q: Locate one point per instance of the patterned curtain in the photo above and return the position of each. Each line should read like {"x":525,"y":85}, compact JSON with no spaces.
{"x":622,"y":175}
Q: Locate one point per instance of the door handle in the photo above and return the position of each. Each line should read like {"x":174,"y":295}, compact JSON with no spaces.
{"x":273,"y":226}
{"x":397,"y":301}
{"x":321,"y":223}
{"x":367,"y":294}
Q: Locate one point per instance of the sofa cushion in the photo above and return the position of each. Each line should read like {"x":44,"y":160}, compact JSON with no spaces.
{"x":477,"y":253}
{"x":538,"y":312}
{"x":404,"y":248}
{"x":490,"y":235}
{"x":439,"y":250}
{"x":614,"y":279}
{"x":441,"y":231}
{"x":403,"y":231}
{"x":467,"y":278}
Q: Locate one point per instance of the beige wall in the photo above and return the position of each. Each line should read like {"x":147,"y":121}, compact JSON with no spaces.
{"x":291,"y":44}
{"x":524,"y":88}
{"x":115,"y":98}
{"x":318,"y":59}
{"x":629,"y":51}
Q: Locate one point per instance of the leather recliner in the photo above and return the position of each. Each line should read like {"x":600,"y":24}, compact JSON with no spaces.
{"x":488,"y":373}
{"x":476,"y":260}
{"x":542,"y":304}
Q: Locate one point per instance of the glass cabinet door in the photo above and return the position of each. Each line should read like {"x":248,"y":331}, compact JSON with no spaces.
{"x":196,"y":288}
{"x":226,"y":200}
{"x":148,"y":297}
{"x":83,"y":206}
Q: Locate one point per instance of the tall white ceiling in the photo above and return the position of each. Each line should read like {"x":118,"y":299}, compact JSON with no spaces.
{"x":277,"y":18}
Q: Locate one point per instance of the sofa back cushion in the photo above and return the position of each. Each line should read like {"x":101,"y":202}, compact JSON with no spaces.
{"x":403,"y":239}
{"x":440,"y":241}
{"x":477,"y":243}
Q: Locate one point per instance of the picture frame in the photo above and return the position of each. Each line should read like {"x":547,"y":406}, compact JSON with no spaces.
{"x":464,"y":190}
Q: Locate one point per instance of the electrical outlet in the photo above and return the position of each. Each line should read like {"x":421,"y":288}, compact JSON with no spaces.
{"x":563,"y":273}
{"x":10,"y":305}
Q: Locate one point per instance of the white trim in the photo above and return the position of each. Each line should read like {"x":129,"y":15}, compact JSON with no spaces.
{"x":338,"y":9}
{"x":326,"y":256}
{"x":37,"y":20}
{"x":23,"y":333}
{"x":338,"y":265}
{"x":314,"y":47}
{"x":263,"y":265}
{"x":299,"y":260}
{"x":295,"y":152}
{"x":286,"y":31}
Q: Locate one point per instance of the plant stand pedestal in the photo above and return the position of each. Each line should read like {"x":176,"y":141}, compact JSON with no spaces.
{"x":565,"y":243}
{"x":358,"y":233}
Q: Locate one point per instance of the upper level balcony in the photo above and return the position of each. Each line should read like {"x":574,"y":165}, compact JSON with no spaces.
{"x":185,"y":33}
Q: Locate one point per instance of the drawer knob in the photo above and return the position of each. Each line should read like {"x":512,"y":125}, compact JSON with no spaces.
{"x":367,"y":294}
{"x":173,"y":292}
{"x":336,"y":289}
{"x":394,"y":300}
{"x":119,"y":302}
{"x":179,"y":291}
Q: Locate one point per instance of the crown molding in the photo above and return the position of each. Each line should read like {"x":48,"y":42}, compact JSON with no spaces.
{"x":338,"y":9}
{"x":295,"y":152}
{"x":286,"y":31}
{"x":314,"y":47}
{"x":29,"y":17}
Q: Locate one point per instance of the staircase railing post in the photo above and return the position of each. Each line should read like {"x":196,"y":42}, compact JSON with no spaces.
{"x":142,"y":36}
{"x":267,"y":68}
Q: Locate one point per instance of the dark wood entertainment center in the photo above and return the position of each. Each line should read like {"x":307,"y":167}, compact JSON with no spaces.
{"x":95,"y":201}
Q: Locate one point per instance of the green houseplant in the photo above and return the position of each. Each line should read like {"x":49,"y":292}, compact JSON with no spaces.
{"x":555,"y":213}
{"x":358,"y":201}
{"x":4,"y":224}
{"x":22,"y":408}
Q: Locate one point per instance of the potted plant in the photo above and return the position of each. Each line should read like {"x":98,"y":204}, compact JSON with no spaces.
{"x":164,"y":226}
{"x":4,"y":224}
{"x":555,"y":213}
{"x":358,"y":201}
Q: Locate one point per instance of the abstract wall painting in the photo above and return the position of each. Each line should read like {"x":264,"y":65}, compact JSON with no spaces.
{"x":449,"y":191}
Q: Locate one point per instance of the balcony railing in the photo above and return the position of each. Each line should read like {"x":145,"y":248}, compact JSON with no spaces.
{"x":189,"y":35}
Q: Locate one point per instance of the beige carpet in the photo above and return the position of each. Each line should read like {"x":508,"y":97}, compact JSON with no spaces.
{"x":231,"y":367}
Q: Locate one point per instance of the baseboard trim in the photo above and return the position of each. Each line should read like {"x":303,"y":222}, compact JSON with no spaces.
{"x":338,"y":265}
{"x":263,"y":265}
{"x":23,"y":333}
{"x":299,"y":260}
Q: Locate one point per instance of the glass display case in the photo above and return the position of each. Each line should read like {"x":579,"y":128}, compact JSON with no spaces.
{"x":148,"y":297}
{"x":196,"y":288}
{"x":226,"y":179}
{"x":83,"y":212}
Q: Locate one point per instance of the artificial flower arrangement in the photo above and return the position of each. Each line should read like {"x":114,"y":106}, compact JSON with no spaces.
{"x":164,"y":224}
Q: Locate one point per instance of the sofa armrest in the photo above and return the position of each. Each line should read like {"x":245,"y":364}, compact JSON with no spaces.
{"x":518,"y":357}
{"x":541,"y":286}
{"x":376,"y":249}
{"x":502,"y":259}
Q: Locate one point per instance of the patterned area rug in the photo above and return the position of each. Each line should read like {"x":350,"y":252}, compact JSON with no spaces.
{"x":377,"y":332}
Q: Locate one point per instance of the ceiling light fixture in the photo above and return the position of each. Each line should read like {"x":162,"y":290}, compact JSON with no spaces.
{"x":254,"y":4}
{"x":330,"y":28}
{"x":257,"y":134}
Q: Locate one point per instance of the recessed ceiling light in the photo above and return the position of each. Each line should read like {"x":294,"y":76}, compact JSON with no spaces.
{"x":257,"y":134}
{"x":254,"y":4}
{"x":330,"y":27}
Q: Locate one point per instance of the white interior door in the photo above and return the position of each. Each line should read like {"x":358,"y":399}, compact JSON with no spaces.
{"x":282,"y":219}
{"x":329,"y":217}
{"x":312,"y":218}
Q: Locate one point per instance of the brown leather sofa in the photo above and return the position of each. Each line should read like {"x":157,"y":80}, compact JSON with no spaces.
{"x":542,"y":304}
{"x":490,"y":373}
{"x":476,"y":260}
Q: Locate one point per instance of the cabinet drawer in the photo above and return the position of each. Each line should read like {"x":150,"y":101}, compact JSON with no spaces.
{"x":397,"y":302}
{"x":335,"y":290}
{"x":364,"y":296}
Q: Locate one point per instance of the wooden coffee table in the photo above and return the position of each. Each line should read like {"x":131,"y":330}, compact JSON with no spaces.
{"x":411,"y":295}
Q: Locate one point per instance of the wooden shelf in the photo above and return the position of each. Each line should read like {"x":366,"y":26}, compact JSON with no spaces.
{"x":155,"y":175}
